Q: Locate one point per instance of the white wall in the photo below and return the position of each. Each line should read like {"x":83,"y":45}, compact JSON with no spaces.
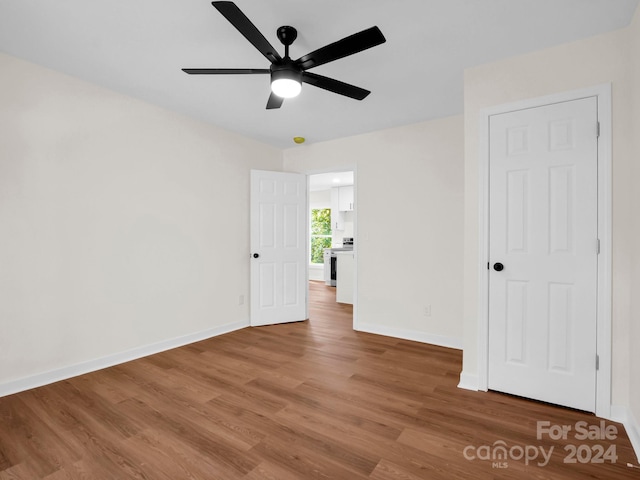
{"x":409,"y":207}
{"x":597,"y":60}
{"x":634,"y":337}
{"x":320,"y":199}
{"x":349,"y":226}
{"x":122,"y":225}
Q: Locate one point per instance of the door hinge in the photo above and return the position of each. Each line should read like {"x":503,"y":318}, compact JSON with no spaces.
{"x":597,"y":362}
{"x":597,"y":129}
{"x":597,"y":246}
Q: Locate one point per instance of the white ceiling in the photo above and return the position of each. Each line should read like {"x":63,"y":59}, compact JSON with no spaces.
{"x":138,"y":48}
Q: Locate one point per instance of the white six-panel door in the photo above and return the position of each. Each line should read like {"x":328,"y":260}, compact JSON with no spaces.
{"x":543,"y":231}
{"x":278,"y":247}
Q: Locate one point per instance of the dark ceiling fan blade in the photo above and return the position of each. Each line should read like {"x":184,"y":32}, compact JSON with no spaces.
{"x":335,"y":86}
{"x":342,"y":48}
{"x":239,"y":20}
{"x":274,"y":101}
{"x":224,"y":71}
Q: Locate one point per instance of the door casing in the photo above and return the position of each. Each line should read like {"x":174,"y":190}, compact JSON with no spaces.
{"x":603,"y":374}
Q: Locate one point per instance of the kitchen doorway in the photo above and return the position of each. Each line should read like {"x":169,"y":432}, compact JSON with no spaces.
{"x":332,"y":244}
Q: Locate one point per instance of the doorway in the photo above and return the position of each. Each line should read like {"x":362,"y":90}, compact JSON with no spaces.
{"x":332,"y":243}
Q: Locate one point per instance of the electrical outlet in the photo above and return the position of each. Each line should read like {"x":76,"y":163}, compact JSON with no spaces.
{"x":241,"y":300}
{"x":427,"y":311}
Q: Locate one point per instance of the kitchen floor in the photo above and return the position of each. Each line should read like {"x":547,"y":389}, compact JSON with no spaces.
{"x":324,"y":309}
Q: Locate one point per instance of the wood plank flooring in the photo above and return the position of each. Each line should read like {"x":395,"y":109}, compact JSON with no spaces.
{"x":310,"y":400}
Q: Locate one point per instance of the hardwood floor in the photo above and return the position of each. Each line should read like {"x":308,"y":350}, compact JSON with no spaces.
{"x":310,"y":400}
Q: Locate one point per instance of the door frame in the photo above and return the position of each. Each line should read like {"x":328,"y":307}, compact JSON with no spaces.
{"x":342,"y":168}
{"x":604,"y":278}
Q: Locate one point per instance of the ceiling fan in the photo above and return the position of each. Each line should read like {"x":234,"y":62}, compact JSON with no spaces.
{"x":287,"y":75}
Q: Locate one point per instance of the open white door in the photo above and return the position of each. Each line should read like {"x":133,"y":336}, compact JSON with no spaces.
{"x":543,"y":247}
{"x":278,"y":247}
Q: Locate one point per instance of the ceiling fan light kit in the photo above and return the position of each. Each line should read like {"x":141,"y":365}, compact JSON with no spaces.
{"x":286,"y":80}
{"x":285,"y":87}
{"x":287,"y":75}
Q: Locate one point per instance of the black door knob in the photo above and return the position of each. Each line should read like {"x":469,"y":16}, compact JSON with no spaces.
{"x":498,"y":267}
{"x":256,"y":255}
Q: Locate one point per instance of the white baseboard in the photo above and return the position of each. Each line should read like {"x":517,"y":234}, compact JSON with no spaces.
{"x":624,"y":415}
{"x":439,"y":340}
{"x":40,"y":379}
{"x":468,"y":381}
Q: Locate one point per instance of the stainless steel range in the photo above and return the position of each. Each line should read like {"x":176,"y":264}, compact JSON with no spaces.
{"x":330,"y":260}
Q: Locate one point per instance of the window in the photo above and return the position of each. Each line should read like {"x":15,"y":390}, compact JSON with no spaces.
{"x":320,"y":233}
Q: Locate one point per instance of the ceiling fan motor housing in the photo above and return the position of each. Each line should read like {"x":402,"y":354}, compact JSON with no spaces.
{"x":287,"y":70}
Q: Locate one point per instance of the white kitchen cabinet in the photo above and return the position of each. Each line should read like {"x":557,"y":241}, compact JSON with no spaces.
{"x":337,"y":217}
{"x":346,"y":199}
{"x":344,"y":277}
